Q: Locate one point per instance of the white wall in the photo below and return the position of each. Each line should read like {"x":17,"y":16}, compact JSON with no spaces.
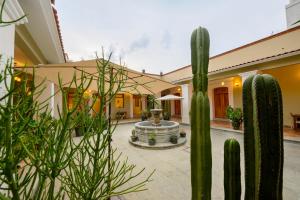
{"x":7,"y":42}
{"x":187,"y":92}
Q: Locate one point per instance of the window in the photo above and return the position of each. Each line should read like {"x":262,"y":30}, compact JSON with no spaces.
{"x":119,"y":101}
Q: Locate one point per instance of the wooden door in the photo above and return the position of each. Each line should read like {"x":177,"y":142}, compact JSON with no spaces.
{"x":137,"y":106}
{"x":177,"y":105}
{"x":221,"y":101}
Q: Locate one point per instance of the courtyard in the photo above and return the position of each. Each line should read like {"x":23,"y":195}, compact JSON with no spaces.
{"x":171,"y":179}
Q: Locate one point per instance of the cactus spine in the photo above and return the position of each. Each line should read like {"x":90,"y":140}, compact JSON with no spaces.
{"x":263,"y":138}
{"x":232,"y":170}
{"x":201,"y":158}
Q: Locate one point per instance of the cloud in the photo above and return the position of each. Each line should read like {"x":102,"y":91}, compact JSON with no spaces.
{"x":155,"y":35}
{"x":141,"y":43}
{"x":166,"y":40}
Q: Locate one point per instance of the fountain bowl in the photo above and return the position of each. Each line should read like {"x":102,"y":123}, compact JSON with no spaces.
{"x":162,"y":132}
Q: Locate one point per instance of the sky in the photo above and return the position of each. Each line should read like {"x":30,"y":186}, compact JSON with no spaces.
{"x":155,"y":34}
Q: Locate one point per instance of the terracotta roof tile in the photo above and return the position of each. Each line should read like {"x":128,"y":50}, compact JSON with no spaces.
{"x":58,"y":28}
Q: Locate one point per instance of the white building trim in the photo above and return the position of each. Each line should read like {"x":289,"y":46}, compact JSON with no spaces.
{"x":42,"y":22}
{"x":13,"y":11}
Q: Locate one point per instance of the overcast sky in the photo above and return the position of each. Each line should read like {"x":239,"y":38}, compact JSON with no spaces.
{"x":155,"y":34}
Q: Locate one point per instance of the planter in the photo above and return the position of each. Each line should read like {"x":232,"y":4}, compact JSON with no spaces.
{"x":134,"y":138}
{"x":182,"y":134}
{"x":174,"y":139}
{"x":236,"y":125}
{"x":151,"y":142}
{"x":166,"y":118}
{"x":144,"y":118}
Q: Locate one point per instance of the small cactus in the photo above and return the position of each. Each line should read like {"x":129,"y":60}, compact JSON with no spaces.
{"x":232,"y":170}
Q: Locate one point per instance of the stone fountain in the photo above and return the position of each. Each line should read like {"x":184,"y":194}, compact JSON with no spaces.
{"x":161,"y":129}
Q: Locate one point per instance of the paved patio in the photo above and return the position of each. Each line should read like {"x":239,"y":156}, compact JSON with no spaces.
{"x":172,"y":177}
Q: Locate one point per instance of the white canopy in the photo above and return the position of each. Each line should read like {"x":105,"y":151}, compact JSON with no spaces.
{"x":144,"y":84}
{"x":169,"y":97}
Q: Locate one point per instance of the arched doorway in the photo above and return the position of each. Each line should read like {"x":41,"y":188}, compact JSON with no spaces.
{"x":221,"y":102}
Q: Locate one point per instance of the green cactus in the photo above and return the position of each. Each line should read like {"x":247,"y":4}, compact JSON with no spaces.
{"x":201,"y":158}
{"x":232,"y":170}
{"x":263,"y":138}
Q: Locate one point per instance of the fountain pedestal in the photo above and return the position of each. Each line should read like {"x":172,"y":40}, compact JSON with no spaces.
{"x":156,"y":116}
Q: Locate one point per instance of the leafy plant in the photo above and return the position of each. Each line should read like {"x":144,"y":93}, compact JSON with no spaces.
{"x":174,"y":139}
{"x":166,"y":116}
{"x":55,"y":166}
{"x":182,"y":133}
{"x":151,"y":139}
{"x":151,"y":102}
{"x":145,"y":115}
{"x":234,"y":114}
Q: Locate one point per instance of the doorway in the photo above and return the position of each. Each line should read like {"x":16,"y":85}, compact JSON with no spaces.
{"x":177,"y":104}
{"x":137,"y":106}
{"x":221,"y":102}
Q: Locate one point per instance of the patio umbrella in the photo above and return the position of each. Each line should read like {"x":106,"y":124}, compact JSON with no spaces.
{"x":144,"y":84}
{"x":169,"y":97}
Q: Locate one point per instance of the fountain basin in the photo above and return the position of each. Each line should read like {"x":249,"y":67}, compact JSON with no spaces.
{"x":162,"y":132}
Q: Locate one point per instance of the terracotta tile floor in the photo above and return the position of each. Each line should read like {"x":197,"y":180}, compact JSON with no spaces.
{"x":288,"y":132}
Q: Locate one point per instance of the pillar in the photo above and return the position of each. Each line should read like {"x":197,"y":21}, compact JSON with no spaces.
{"x":130,"y":106}
{"x":7,"y":41}
{"x":12,"y":10}
{"x":185,"y":104}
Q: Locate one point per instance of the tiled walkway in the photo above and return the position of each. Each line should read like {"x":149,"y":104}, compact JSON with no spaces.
{"x":171,"y":180}
{"x":289,"y":133}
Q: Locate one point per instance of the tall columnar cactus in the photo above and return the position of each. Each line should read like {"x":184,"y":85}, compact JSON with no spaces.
{"x":201,"y":159}
{"x":263,"y":138}
{"x":232,"y":170}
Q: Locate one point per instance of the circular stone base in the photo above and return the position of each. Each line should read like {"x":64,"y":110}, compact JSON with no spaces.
{"x":158,"y":146}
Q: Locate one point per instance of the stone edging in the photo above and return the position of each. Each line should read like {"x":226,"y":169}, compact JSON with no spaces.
{"x":160,"y":146}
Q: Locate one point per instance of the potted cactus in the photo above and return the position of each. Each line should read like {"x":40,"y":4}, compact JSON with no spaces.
{"x":174,"y":139}
{"x":182,"y":133}
{"x":151,"y":139}
{"x":236,"y":116}
{"x":134,"y":137}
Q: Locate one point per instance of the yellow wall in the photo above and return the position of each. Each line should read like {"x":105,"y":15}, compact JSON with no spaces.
{"x":289,"y":81}
{"x":237,"y":92}
{"x":127,"y":107}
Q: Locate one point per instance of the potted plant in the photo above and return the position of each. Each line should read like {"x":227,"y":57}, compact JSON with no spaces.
{"x":144,"y":115}
{"x":134,"y":137}
{"x":80,"y":127}
{"x":235,"y":115}
{"x":174,"y":139}
{"x":149,"y":114}
{"x":120,"y":115}
{"x":166,"y":116}
{"x":151,"y":139}
{"x":182,"y":133}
